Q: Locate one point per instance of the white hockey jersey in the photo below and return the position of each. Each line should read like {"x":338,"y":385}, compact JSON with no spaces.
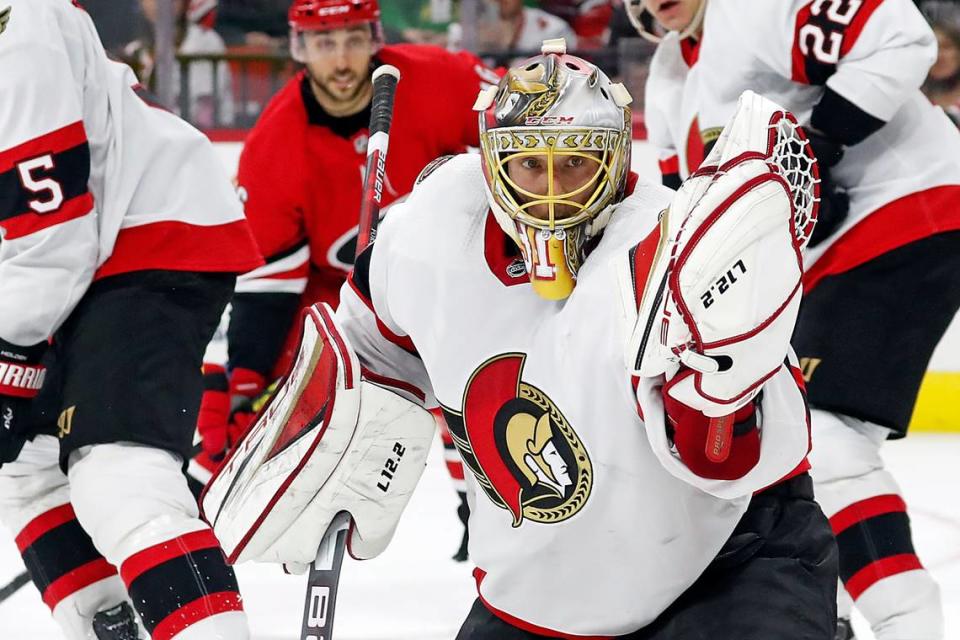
{"x":95,"y":181}
{"x":903,"y":181}
{"x":582,"y":522}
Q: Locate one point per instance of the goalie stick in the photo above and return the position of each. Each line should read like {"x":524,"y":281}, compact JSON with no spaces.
{"x":324,"y":573}
{"x":14,"y":585}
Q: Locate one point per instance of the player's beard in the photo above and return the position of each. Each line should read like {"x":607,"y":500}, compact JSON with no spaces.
{"x":338,"y":98}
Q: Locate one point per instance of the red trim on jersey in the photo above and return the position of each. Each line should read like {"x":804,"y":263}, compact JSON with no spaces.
{"x":852,"y":32}
{"x":54,"y":142}
{"x":455,"y":469}
{"x":194,"y":612}
{"x":497,"y":258}
{"x":404,"y":342}
{"x":30,"y":222}
{"x":670,"y":165}
{"x":142,"y":561}
{"x":393,"y":382}
{"x":226,"y":135}
{"x":898,"y":223}
{"x":181,"y":246}
{"x":80,"y":578}
{"x":44,"y":523}
{"x":690,"y":50}
{"x":695,"y":154}
{"x":880,"y":569}
{"x":368,"y":303}
{"x":643,"y":258}
{"x":479,"y":574}
{"x":866,"y":509}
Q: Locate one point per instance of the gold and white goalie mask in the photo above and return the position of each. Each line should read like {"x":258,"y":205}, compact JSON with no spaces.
{"x":555,"y":141}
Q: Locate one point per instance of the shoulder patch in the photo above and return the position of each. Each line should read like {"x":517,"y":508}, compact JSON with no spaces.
{"x":432,"y":166}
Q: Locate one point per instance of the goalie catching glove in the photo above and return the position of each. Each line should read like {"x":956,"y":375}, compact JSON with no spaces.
{"x":327,"y":442}
{"x":724,"y":289}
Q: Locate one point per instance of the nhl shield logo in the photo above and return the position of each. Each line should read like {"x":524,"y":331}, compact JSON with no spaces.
{"x":518,"y":444}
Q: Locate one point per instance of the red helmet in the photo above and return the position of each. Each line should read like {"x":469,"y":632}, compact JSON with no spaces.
{"x":323,"y":15}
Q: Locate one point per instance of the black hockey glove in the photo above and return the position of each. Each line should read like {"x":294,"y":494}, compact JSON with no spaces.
{"x":21,"y":376}
{"x":834,"y":202}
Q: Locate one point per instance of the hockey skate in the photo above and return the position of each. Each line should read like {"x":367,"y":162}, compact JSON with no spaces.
{"x":118,"y":623}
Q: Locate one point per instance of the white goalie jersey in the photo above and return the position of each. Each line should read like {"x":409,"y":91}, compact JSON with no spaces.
{"x":903,"y":181}
{"x":582,"y":522}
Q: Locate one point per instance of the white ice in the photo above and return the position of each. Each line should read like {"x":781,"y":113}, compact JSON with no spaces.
{"x":415,"y":592}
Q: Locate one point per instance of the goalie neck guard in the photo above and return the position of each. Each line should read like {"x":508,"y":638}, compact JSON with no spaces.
{"x":554,"y":107}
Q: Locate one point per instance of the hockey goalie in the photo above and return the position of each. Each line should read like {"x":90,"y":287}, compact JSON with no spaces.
{"x":612,"y":358}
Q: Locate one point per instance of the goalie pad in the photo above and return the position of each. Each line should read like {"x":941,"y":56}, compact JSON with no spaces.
{"x":723,"y":293}
{"x":327,"y":443}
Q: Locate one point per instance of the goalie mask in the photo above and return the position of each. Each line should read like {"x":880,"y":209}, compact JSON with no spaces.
{"x":555,"y":145}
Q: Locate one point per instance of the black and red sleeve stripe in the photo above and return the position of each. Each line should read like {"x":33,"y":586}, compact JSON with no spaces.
{"x":44,"y":181}
{"x":60,"y":556}
{"x":874,"y":539}
{"x":177,"y":583}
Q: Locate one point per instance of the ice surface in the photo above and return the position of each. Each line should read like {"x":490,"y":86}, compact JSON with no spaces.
{"x":415,"y":592}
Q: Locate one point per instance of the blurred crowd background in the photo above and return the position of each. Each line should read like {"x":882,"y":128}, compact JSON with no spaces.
{"x":228,"y":57}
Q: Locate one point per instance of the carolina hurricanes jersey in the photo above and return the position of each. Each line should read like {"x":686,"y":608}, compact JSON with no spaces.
{"x":301,"y":171}
{"x":96,"y":181}
{"x":902,"y":180}
{"x":582,"y":521}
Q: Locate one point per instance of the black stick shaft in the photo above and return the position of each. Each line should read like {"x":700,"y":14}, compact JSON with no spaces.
{"x":385,"y":80}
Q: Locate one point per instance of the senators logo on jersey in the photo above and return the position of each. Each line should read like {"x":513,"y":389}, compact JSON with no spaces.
{"x":515,"y":440}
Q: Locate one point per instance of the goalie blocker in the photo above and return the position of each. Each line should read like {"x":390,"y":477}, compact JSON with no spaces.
{"x":328,"y":442}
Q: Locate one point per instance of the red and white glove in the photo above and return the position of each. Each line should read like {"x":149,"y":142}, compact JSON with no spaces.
{"x":21,"y":376}
{"x":227,"y":407}
{"x":721,"y":448}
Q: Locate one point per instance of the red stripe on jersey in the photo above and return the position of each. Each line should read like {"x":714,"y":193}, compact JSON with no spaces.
{"x":479,"y":574}
{"x":866,"y":509}
{"x":30,"y":222}
{"x":670,"y":165}
{"x":180,"y":246}
{"x":695,"y":149}
{"x":455,"y":469}
{"x":644,"y":256}
{"x":690,"y":50}
{"x":44,"y":523}
{"x":905,"y":220}
{"x":364,"y":299}
{"x":876,"y":571}
{"x":194,"y":612}
{"x":142,"y":561}
{"x":393,"y":382}
{"x":856,"y":26}
{"x":54,"y":142}
{"x":404,"y":342}
{"x":80,"y":578}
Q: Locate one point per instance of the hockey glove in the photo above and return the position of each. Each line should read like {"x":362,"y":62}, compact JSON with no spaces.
{"x":834,"y":202}
{"x":722,"y":293}
{"x":226,"y":408}
{"x":21,"y":376}
{"x":720,"y":448}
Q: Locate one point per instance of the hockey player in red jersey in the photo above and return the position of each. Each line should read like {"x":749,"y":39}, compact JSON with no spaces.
{"x":300,"y":177}
{"x":121,"y":241}
{"x":882,"y":277}
{"x":624,"y":482}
